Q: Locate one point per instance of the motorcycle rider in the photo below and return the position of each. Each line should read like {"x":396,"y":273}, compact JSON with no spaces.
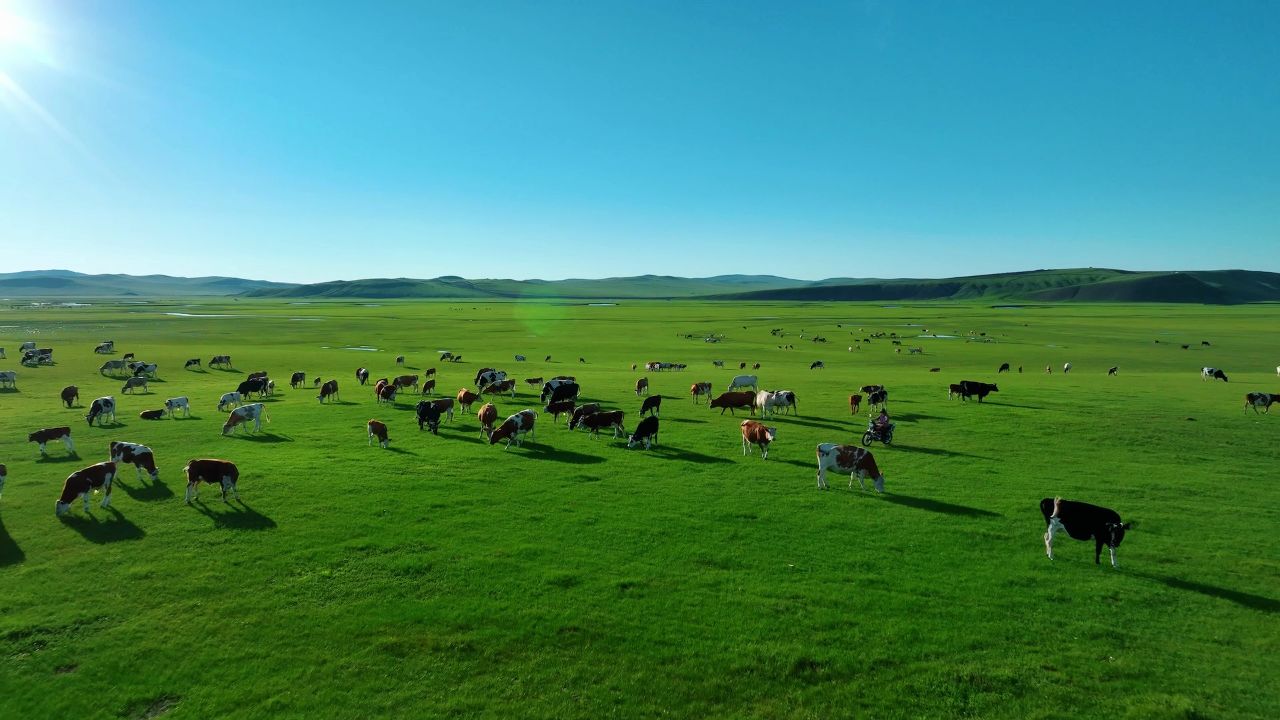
{"x":881,"y":424}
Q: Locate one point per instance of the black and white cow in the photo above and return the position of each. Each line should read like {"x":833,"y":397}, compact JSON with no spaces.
{"x":40,"y":437}
{"x":1083,"y":521}
{"x":100,"y":409}
{"x":1209,"y":373}
{"x":139,"y":456}
{"x":173,"y":405}
{"x":297,"y":380}
{"x":646,"y":432}
{"x":1262,"y":400}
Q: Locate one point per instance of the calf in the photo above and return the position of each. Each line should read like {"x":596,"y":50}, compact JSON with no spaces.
{"x":955,"y":390}
{"x":642,"y":386}
{"x":362,"y":375}
{"x":152,"y":414}
{"x":487,"y":416}
{"x":514,"y":428}
{"x":297,"y":380}
{"x":81,"y":483}
{"x":134,"y":383}
{"x":856,"y":461}
{"x":599,"y":420}
{"x":101,"y":408}
{"x":378,"y":430}
{"x":581,"y":412}
{"x":855,"y":403}
{"x":754,"y":433}
{"x":1083,"y":521}
{"x":652,"y":405}
{"x":465,"y":399}
{"x":193,"y":362}
{"x":70,"y":394}
{"x":139,"y":456}
{"x":40,"y":437}
{"x":735,"y":400}
{"x":328,"y":391}
{"x":698,"y":390}
{"x":646,"y":432}
{"x":1262,"y":400}
{"x":223,"y":473}
{"x":428,"y":415}
{"x":563,"y":407}
{"x":173,"y":405}
{"x":228,"y":400}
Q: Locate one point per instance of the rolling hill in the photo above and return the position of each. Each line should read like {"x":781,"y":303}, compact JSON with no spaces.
{"x":62,"y":284}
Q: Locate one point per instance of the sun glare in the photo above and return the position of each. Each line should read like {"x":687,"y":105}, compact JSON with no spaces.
{"x":20,"y":37}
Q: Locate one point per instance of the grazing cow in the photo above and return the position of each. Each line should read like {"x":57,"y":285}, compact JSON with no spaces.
{"x":152,"y":414}
{"x":596,"y":421}
{"x":549,"y":387}
{"x":222,"y":361}
{"x":487,"y":416}
{"x":1204,"y":343}
{"x":1262,"y":400}
{"x":222,"y":473}
{"x":253,"y":385}
{"x":767,"y":400}
{"x":868,"y":389}
{"x":955,"y":390}
{"x":242,"y":415}
{"x":488,"y":375}
{"x":387,"y":393}
{"x":581,"y":412}
{"x":446,"y":356}
{"x":562,"y":407}
{"x":297,"y":380}
{"x":938,"y":369}
{"x":1048,"y":369}
{"x":173,"y":405}
{"x":428,"y":386}
{"x":81,"y":483}
{"x":651,"y":405}
{"x":731,"y":400}
{"x":1083,"y":521}
{"x":981,"y":389}
{"x":466,"y":398}
{"x":582,"y":360}
{"x":717,"y":363}
{"x":9,"y":378}
{"x":271,"y":387}
{"x":431,"y":372}
{"x":139,"y":456}
{"x":146,"y":369}
{"x":99,"y":410}
{"x":193,"y":362}
{"x":815,"y":365}
{"x":546,"y":359}
{"x":533,"y":382}
{"x":404,"y":381}
{"x":70,"y":394}
{"x":445,"y":407}
{"x":1004,"y":367}
{"x":378,"y":430}
{"x":362,"y":375}
{"x":429,"y":415}
{"x":520,"y":358}
{"x":1066,"y":368}
{"x":127,"y":357}
{"x":754,"y":433}
{"x":559,"y":393}
{"x":113,"y":365}
{"x":1212,"y":374}
{"x":756,"y":366}
{"x":260,"y":375}
{"x":316,"y":382}
{"x":856,"y":461}
{"x":742,"y":366}
{"x":855,"y":403}
{"x":105,"y":348}
{"x":400,"y":360}
{"x":514,"y":428}
{"x":742,"y":381}
{"x":47,"y":434}
{"x":1113,"y":370}
{"x":642,"y":386}
{"x":698,"y":390}
{"x":878,"y":399}
{"x":500,"y":387}
{"x":646,"y":432}
{"x":231,"y":399}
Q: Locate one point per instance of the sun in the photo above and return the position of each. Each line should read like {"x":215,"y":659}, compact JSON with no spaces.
{"x":18,"y":35}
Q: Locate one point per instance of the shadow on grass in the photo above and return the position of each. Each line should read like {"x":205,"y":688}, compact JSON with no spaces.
{"x":936,"y":451}
{"x":914,"y":417}
{"x":795,"y":420}
{"x":57,"y":458}
{"x":237,"y":517}
{"x":540,"y":451}
{"x":938,"y":506}
{"x":10,"y":553}
{"x":108,"y":426}
{"x":229,"y":371}
{"x":97,"y":531}
{"x":1009,"y":404}
{"x":1249,"y":600}
{"x":261,"y":437}
{"x":144,"y":492}
{"x":670,"y":453}
{"x":8,"y":390}
{"x":683,"y":420}
{"x":397,"y":450}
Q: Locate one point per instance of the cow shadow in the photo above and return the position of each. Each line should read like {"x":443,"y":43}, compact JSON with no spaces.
{"x":237,"y":517}
{"x":683,"y":420}
{"x":540,"y":451}
{"x":1249,"y":600}
{"x":914,"y":417}
{"x":937,"y":451}
{"x":796,"y":420}
{"x":58,"y":458}
{"x":101,"y":532}
{"x":8,"y":390}
{"x":229,"y":371}
{"x":397,"y":450}
{"x":10,"y":553}
{"x":145,"y":492}
{"x":340,"y":402}
{"x":1009,"y":404}
{"x":669,"y":453}
{"x":108,"y":426}
{"x":798,"y":463}
{"x":938,"y":506}
{"x":262,"y":437}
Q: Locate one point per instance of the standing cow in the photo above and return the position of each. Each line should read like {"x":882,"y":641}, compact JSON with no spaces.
{"x":697,"y":390}
{"x":45,"y":435}
{"x":1083,"y":521}
{"x":755,"y":433}
{"x":378,"y":430}
{"x":856,"y":461}
{"x":223,"y":473}
{"x":70,"y":394}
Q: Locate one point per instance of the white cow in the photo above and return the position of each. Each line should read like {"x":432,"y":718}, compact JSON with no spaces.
{"x":113,"y":366}
{"x":231,"y":399}
{"x":9,"y":378}
{"x":173,"y":405}
{"x":242,"y":415}
{"x":741,"y":381}
{"x":768,"y":400}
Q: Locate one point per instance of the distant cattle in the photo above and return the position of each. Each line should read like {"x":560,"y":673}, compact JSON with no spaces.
{"x":81,"y":483}
{"x":652,"y":366}
{"x":754,"y":433}
{"x":646,"y":432}
{"x":243,"y":415}
{"x":431,"y":372}
{"x":520,"y":358}
{"x":40,"y":437}
{"x":651,"y":405}
{"x":1113,"y":370}
{"x":1212,"y":374}
{"x":400,"y":360}
{"x":546,"y":359}
{"x":139,"y":456}
{"x":1083,"y":521}
{"x":742,"y":366}
{"x":114,"y":366}
{"x":328,"y":391}
{"x":563,"y":407}
{"x":487,"y":415}
{"x":938,"y":369}
{"x":428,"y":386}
{"x":581,"y":412}
{"x":642,"y":386}
{"x":698,"y":390}
{"x":501,"y":387}
{"x":378,"y":430}
{"x":969,"y":388}
{"x":152,"y":414}
{"x":717,"y":363}
{"x":1262,"y":400}
{"x":222,"y":473}
{"x":599,"y":420}
{"x":767,"y":401}
{"x":428,"y":415}
{"x":297,"y":380}
{"x":446,"y":356}
{"x":362,"y":375}
{"x":228,"y":400}
{"x":70,"y":394}
{"x":9,"y":379}
{"x":533,"y":381}
{"x":193,"y":362}
{"x":1066,"y":368}
{"x":255,"y":385}
{"x":816,"y":365}
{"x":855,"y":402}
{"x":856,"y":461}
{"x":1048,"y":369}
{"x":734,"y":400}
{"x":315,"y":382}
{"x":134,"y":383}
{"x":514,"y":428}
{"x":221,"y":361}
{"x":466,"y":398}
{"x":100,"y":409}
{"x":878,"y":399}
{"x":1204,"y":343}
{"x":173,"y":405}
{"x":1004,"y":367}
{"x":742,"y":381}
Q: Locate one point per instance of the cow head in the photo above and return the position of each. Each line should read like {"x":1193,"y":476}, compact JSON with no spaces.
{"x":61,"y":508}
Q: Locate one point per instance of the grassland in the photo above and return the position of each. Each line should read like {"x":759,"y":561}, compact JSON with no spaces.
{"x":578,"y":579}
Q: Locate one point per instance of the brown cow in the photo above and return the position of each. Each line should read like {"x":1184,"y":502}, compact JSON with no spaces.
{"x":699,"y":389}
{"x":378,"y":430}
{"x":404,"y":381}
{"x":535,"y":382}
{"x":754,"y":433}
{"x":47,"y":434}
{"x":500,"y":388}
{"x":223,"y":473}
{"x":328,"y":390}
{"x":487,"y":416}
{"x":84,"y":481}
{"x":431,"y":372}
{"x":851,"y":459}
{"x":730,"y":400}
{"x":445,"y":407}
{"x":428,"y":386}
{"x":562,"y":407}
{"x":387,"y":393}
{"x":465,"y":399}
{"x":597,"y":421}
{"x":855,"y":402}
{"x":70,"y":393}
{"x":642,"y":385}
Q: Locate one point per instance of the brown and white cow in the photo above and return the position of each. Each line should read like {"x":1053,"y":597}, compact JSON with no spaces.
{"x":642,"y":386}
{"x":535,"y":382}
{"x":465,"y":399}
{"x":49,"y":434}
{"x":445,"y":407}
{"x":139,"y":456}
{"x":387,"y":393}
{"x":500,"y":387}
{"x":404,"y":381}
{"x":378,"y":430}
{"x":243,"y":415}
{"x":855,"y":402}
{"x":562,"y":407}
{"x":83,"y":482}
{"x":222,"y":473}
{"x":651,"y":405}
{"x":735,"y":400}
{"x":599,"y":420}
{"x":514,"y":428}
{"x":856,"y":461}
{"x":755,"y":433}
{"x":1262,"y":400}
{"x":428,"y":386}
{"x":134,"y":383}
{"x":70,"y":394}
{"x":431,"y":372}
{"x":698,"y":390}
{"x":328,"y":391}
{"x":487,"y":416}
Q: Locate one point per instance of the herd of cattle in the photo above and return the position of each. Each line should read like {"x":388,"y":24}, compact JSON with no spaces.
{"x":558,"y":396}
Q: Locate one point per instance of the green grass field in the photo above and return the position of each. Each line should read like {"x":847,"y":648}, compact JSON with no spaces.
{"x":573,"y":578}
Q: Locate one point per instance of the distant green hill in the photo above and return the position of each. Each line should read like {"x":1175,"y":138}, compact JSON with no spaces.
{"x":55,"y":284}
{"x":641,"y":286}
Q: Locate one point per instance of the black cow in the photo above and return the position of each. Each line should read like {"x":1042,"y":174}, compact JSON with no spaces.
{"x":646,"y":432}
{"x":297,"y":380}
{"x":362,"y":375}
{"x":256,"y":385}
{"x":878,"y":398}
{"x":972,"y":387}
{"x":1083,"y":521}
{"x":651,"y":404}
{"x":429,"y":415}
{"x":193,"y":362}
{"x":560,"y":393}
{"x":1004,"y":367}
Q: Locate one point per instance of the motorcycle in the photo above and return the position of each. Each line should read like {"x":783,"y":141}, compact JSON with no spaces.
{"x":875,"y":433}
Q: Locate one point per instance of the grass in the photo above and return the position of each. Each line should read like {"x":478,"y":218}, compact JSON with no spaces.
{"x":576,"y":578}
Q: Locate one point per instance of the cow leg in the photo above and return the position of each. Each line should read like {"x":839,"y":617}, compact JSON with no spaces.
{"x":42,"y":452}
{"x":822,"y":478}
{"x":71,"y":446}
{"x":764,"y":452}
{"x":744,"y":446}
{"x":139,"y":469}
{"x":1113,"y":557}
{"x":191,"y":491}
{"x":85,"y":496}
{"x":1097,"y":550}
{"x":1055,"y":526}
{"x":106,"y":493}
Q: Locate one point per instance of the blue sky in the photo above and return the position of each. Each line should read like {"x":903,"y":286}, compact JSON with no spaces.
{"x":315,"y":141}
